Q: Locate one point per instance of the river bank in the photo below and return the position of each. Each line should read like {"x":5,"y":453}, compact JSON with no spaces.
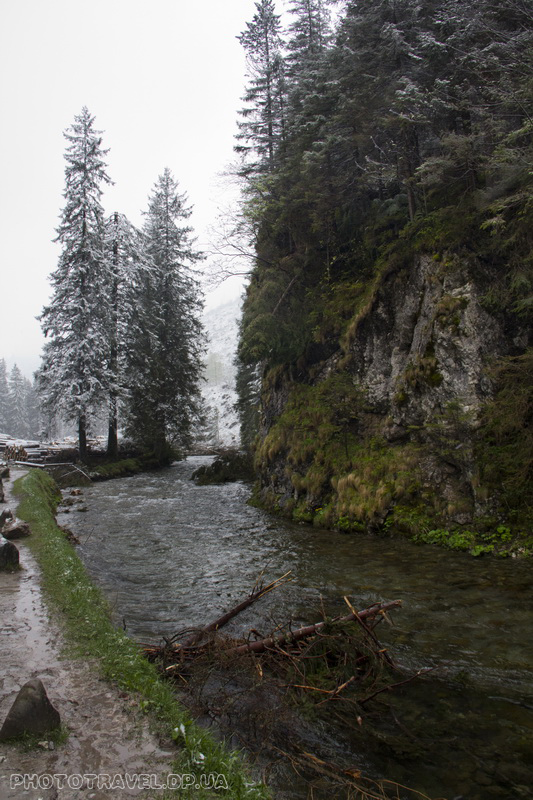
{"x":110,"y":699}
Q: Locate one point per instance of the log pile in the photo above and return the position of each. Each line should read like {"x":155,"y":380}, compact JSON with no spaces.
{"x":15,"y":452}
{"x":32,"y":452}
{"x":25,"y":452}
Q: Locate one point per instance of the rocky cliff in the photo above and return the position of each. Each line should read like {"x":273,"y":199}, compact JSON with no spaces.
{"x":399,"y":426}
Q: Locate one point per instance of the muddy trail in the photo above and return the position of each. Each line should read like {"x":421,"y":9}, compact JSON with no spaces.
{"x":108,"y":735}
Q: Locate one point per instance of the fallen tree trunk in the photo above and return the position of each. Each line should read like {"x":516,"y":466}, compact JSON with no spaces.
{"x":255,"y":594}
{"x":311,"y":630}
{"x":191,"y":647}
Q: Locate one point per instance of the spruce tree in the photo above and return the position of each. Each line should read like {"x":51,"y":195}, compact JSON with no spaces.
{"x":165,"y":346}
{"x":73,"y":378}
{"x":4,"y":395}
{"x":126,"y":265}
{"x":262,"y":128}
{"x":309,"y":35}
{"x":32,"y":410}
{"x":17,"y":408}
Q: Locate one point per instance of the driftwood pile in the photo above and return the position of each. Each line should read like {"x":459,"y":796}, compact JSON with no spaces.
{"x":267,"y":693}
{"x":272,"y":693}
{"x":187,"y":645}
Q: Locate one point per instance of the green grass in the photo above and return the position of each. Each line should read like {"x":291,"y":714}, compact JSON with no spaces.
{"x":90,"y":633}
{"x":124,"y":467}
{"x":338,"y":478}
{"x":501,"y":541}
{"x":34,"y":741}
{"x":117,"y":469}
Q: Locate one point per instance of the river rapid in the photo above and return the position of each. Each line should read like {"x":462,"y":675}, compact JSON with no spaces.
{"x":170,"y":555}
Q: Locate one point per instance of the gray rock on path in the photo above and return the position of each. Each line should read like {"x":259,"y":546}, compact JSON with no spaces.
{"x":16,"y":530}
{"x":9,"y":555}
{"x":32,"y":712}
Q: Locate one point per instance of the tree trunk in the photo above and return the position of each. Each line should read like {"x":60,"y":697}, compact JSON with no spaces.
{"x":310,"y":630}
{"x":218,"y":623}
{"x":161,"y":448}
{"x":112,"y":437}
{"x":112,"y":434}
{"x":82,"y":436}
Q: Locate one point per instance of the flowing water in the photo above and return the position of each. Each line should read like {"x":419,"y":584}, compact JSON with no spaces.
{"x":170,"y":555}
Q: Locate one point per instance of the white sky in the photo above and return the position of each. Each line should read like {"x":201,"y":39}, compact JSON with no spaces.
{"x":163,"y":79}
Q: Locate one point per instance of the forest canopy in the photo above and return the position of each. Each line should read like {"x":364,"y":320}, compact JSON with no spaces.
{"x":407,"y":128}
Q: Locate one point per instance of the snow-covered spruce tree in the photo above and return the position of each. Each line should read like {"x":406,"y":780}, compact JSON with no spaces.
{"x":165,"y":346}
{"x":127,"y":266}
{"x":32,"y":410}
{"x":310,"y":34}
{"x":4,"y":394}
{"x":73,"y":377}
{"x":17,"y":409}
{"x":261,"y":130}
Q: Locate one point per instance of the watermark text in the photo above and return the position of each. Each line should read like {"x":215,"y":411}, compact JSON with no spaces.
{"x":213,"y":780}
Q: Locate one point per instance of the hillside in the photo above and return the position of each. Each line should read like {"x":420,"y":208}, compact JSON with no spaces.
{"x":218,"y":392}
{"x":389,"y":311}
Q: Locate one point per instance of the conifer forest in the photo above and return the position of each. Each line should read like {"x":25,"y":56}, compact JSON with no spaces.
{"x":385,"y":362}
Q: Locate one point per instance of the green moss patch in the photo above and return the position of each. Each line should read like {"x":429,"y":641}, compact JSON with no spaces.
{"x":339,"y":478}
{"x":342,"y":474}
{"x":124,"y":467}
{"x":504,"y":447}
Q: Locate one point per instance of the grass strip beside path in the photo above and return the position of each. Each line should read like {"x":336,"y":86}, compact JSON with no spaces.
{"x":89,"y":631}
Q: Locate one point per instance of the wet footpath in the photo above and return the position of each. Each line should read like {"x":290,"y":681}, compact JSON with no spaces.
{"x":108,"y":744}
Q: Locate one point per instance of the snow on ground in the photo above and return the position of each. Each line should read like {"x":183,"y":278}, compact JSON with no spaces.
{"x":221,"y":324}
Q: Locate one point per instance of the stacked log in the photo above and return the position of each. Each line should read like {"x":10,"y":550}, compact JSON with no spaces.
{"x":15,"y":452}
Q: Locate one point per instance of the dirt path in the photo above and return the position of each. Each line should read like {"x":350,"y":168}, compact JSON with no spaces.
{"x":107,"y":735}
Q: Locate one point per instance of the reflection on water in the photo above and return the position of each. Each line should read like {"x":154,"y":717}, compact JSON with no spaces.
{"x":170,"y":554}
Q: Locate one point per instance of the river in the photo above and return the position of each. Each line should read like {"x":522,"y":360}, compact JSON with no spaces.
{"x":169,"y":555}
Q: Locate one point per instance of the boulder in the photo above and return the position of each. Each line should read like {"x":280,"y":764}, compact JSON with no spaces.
{"x":4,"y":471}
{"x":16,"y":530}
{"x":233,"y":465}
{"x":9,"y":555}
{"x":2,"y":495}
{"x":32,"y":712}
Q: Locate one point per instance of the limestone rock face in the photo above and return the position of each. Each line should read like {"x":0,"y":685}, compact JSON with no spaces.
{"x":426,"y":342}
{"x":9,"y":555}
{"x":419,"y":353}
{"x":32,"y":712}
